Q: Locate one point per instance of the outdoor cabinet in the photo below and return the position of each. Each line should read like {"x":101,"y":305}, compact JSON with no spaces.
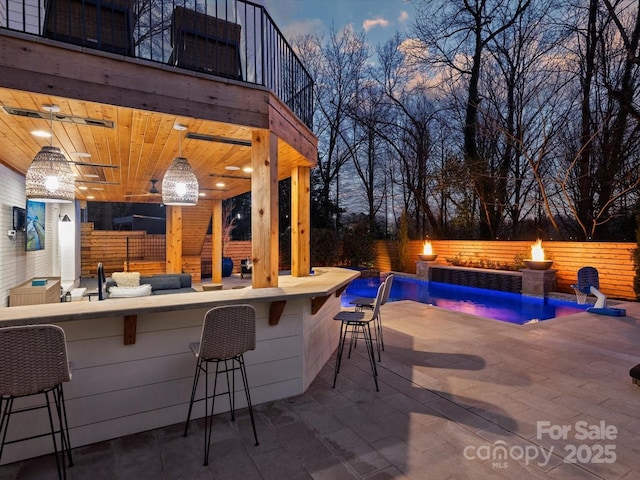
{"x":104,"y":25}
{"x":28,"y":294}
{"x":204,"y":43}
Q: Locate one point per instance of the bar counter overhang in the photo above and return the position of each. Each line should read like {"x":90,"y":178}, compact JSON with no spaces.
{"x":123,"y":384}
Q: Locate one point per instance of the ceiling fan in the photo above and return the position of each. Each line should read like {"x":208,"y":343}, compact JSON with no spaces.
{"x":151,"y":192}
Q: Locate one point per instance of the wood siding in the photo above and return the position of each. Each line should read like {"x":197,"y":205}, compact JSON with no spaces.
{"x":613,"y":260}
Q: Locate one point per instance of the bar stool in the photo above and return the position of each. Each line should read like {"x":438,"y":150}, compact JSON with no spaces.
{"x":368,"y":302}
{"x":33,"y":361}
{"x":358,"y":323}
{"x":228,"y":332}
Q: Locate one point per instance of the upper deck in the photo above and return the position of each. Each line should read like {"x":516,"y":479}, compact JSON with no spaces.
{"x":124,"y":71}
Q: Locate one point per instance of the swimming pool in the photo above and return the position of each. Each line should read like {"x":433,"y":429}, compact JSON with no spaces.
{"x":507,"y":307}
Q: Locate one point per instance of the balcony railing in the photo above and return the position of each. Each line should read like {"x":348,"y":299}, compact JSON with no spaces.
{"x":228,"y":38}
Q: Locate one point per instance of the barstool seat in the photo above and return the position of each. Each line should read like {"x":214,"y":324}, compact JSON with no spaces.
{"x":33,"y":361}
{"x":227,"y":333}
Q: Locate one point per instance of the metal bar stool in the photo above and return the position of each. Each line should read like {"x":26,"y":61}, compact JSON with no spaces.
{"x":33,"y":361}
{"x":228,"y":332}
{"x":368,"y":302}
{"x":358,"y":323}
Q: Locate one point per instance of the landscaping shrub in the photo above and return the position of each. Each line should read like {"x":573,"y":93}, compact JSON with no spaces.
{"x":357,"y":247}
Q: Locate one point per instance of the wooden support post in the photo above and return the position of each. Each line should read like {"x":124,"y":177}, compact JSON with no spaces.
{"x":216,"y":242}
{"x":130,"y":325}
{"x":264,"y":209}
{"x":300,"y":221}
{"x":174,"y":240}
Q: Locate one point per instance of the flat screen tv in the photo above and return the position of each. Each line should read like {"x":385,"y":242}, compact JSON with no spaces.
{"x":35,"y":225}
{"x":19,"y":219}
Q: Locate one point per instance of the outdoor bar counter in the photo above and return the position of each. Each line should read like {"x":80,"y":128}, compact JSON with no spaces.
{"x":133,"y":370}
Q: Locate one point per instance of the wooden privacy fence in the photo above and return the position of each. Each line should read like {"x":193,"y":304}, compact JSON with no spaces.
{"x":110,"y":248}
{"x":613,"y":260}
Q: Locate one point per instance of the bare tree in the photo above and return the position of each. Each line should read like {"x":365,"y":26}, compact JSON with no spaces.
{"x":456,"y":35}
{"x":367,"y":150}
{"x":337,"y":66}
{"x":524,"y":102}
{"x":602,"y":167}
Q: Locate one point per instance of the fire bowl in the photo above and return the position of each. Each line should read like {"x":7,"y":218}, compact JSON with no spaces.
{"x":538,"y":264}
{"x":428,"y":257}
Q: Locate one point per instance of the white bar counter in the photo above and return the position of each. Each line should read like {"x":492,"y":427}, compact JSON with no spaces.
{"x":133,"y":370}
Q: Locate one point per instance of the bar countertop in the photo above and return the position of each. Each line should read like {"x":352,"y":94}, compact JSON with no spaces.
{"x":325,"y":281}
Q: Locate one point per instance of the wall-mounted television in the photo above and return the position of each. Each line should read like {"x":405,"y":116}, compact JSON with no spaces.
{"x":36,"y":215}
{"x":19,"y":219}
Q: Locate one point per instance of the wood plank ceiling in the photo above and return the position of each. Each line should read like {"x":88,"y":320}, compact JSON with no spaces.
{"x":138,"y":148}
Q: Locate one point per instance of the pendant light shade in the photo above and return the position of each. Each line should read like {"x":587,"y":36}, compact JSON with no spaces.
{"x":180,"y":184}
{"x":49,"y":177}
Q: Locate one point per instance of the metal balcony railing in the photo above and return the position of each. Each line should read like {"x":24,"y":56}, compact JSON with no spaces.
{"x":229,"y":38}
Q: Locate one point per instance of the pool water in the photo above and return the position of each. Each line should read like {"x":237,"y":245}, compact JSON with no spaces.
{"x":507,"y":307}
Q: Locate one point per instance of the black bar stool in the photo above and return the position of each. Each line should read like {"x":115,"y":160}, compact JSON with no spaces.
{"x":33,"y":361}
{"x":358,"y":323}
{"x":228,"y":332}
{"x":368,"y":302}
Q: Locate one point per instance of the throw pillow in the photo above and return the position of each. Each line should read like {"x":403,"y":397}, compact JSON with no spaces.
{"x":126,"y":279}
{"x":128,"y":292}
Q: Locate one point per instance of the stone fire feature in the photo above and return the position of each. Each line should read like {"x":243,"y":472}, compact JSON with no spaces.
{"x":527,"y":281}
{"x":501,"y":280}
{"x":538,"y":282}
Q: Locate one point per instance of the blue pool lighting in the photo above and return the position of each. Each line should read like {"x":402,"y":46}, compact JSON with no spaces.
{"x":507,"y":307}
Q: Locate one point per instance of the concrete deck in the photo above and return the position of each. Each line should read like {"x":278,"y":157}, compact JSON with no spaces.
{"x":460,"y":398}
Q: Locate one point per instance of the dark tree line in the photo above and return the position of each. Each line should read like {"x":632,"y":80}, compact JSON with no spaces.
{"x":491,"y":119}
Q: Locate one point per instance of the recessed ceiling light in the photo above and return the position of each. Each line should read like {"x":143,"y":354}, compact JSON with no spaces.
{"x":82,"y":188}
{"x":90,"y":197}
{"x":232,"y":168}
{"x":220,"y":184}
{"x":80,"y":154}
{"x":97,"y":188}
{"x":202,"y":194}
{"x":41,"y":134}
{"x":92,"y":175}
{"x":247,"y":169}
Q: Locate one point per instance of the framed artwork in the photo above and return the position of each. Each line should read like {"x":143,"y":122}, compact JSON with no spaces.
{"x":35,"y":225}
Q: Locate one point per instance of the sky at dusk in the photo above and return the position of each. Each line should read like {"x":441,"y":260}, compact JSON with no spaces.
{"x":379,"y":19}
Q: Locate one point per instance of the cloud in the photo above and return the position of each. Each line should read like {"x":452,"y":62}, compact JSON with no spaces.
{"x":404,"y":16}
{"x":375,"y":22}
{"x":304,"y":27}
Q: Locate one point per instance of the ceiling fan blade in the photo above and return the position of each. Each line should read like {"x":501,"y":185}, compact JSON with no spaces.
{"x":91,"y":164}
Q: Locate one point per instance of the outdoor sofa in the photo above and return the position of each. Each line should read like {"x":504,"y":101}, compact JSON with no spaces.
{"x":132,"y":285}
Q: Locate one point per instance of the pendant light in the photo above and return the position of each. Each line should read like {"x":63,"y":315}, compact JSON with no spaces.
{"x":180,"y":185}
{"x":49,"y":177}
